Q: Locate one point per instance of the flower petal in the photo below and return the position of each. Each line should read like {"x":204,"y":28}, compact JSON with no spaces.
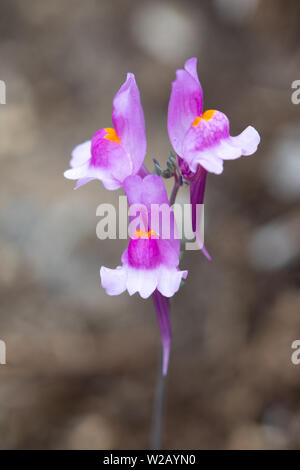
{"x":191,"y":67}
{"x":113,"y":280}
{"x":77,"y":172}
{"x":133,"y":188}
{"x":101,"y":159}
{"x":80,"y":154}
{"x":169,"y":251}
{"x":85,"y":173}
{"x":148,"y":190}
{"x":143,"y":281}
{"x":154,"y":191}
{"x":202,"y":143}
{"x":185,"y":104}
{"x":169,"y":280}
{"x":151,"y":192}
{"x":209,"y":160}
{"x":246,"y":142}
{"x":129,"y":122}
{"x":80,"y":157}
{"x":205,"y":134}
{"x":143,"y":253}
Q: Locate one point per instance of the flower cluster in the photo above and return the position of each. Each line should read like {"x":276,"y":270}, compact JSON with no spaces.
{"x":115,"y":156}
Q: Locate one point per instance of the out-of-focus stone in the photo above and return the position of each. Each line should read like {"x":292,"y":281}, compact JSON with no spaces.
{"x":235,"y":11}
{"x":253,"y":437}
{"x":275,"y":244}
{"x":10,"y":264}
{"x":89,"y":431}
{"x":157,"y":28}
{"x":282,"y":167}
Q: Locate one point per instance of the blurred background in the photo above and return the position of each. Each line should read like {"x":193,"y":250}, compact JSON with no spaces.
{"x":81,"y":366}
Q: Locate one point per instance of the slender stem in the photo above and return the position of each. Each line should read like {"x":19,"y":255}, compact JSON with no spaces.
{"x":162,"y":307}
{"x":158,"y":411}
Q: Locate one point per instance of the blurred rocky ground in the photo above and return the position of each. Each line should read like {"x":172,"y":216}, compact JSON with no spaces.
{"x":81,"y":366}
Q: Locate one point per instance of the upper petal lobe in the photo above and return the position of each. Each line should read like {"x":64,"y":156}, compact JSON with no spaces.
{"x":185,"y":104}
{"x":129,"y":122}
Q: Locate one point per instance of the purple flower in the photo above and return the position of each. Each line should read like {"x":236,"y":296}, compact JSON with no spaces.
{"x":201,"y":140}
{"x":150,"y":262}
{"x":114,"y":153}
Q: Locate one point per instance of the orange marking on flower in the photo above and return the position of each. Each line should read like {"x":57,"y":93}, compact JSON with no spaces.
{"x":143,"y":234}
{"x":140,"y":234}
{"x":111,"y":134}
{"x":206,"y":116}
{"x":196,"y":122}
{"x":152,"y":233}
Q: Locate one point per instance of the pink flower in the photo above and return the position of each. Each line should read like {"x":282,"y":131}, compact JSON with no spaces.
{"x":150,"y":262}
{"x":201,"y":140}
{"x":114,"y":153}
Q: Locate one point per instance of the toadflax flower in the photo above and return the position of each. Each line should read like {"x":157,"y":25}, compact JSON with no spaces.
{"x":150,"y":263}
{"x":114,"y":153}
{"x":200,"y":139}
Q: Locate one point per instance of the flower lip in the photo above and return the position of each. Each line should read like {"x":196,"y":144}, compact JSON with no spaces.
{"x":111,"y":135}
{"x":144,"y":253}
{"x":108,"y":155}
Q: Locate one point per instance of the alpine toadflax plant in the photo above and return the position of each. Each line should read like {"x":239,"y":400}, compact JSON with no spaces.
{"x":115,"y":155}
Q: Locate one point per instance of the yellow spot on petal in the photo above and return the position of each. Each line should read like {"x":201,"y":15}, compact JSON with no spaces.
{"x":196,"y":122}
{"x":111,"y":134}
{"x":206,"y":116}
{"x":143,"y":234}
{"x":152,"y":233}
{"x":140,"y":234}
